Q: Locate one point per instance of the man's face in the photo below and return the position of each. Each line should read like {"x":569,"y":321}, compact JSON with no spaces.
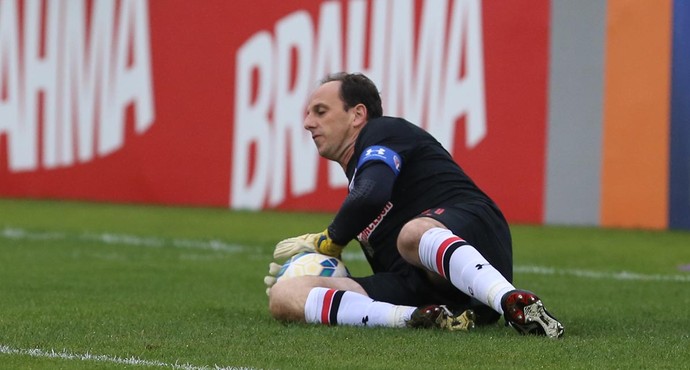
{"x":330,"y":125}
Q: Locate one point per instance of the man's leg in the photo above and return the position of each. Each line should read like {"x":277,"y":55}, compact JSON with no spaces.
{"x":427,"y":243}
{"x":332,"y":301}
{"x":288,"y":297}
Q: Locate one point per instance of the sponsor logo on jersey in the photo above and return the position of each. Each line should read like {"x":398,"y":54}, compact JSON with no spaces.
{"x":363,"y":236}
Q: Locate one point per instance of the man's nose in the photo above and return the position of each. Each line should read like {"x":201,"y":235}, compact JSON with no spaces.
{"x":308,"y":122}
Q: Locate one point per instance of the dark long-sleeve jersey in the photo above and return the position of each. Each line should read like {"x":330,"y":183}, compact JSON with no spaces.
{"x":397,"y":171}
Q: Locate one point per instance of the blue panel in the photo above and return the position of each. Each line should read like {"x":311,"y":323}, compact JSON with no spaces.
{"x":679,"y":194}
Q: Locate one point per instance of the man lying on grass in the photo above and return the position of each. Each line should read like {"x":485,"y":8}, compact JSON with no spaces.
{"x":440,"y":249}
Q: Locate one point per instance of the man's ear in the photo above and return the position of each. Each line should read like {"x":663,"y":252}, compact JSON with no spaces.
{"x":361,"y":113}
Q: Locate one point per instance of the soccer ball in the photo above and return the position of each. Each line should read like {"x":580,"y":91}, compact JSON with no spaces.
{"x":312,"y":264}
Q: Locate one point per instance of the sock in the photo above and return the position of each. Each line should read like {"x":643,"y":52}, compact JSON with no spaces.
{"x":456,"y":260}
{"x":333,"y":307}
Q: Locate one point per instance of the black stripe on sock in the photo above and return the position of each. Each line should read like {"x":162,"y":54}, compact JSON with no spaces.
{"x":449,"y":252}
{"x":333,"y":315}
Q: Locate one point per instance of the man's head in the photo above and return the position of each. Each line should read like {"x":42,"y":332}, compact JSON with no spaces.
{"x":338,"y":110}
{"x":356,"y":88}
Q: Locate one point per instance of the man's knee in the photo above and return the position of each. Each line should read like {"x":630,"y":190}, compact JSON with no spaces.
{"x":288,"y":297}
{"x":410,"y":236}
{"x":275,"y":301}
{"x":284,"y":301}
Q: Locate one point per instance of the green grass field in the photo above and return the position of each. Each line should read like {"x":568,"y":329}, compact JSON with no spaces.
{"x":98,"y":286}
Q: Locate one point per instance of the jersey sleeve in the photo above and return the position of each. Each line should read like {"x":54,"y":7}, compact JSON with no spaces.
{"x":370,"y":191}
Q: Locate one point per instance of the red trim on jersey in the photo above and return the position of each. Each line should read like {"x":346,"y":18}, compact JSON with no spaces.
{"x":327,"y":302}
{"x":441,"y":251}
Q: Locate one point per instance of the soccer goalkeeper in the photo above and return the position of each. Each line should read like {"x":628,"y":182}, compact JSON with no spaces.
{"x":439,"y":248}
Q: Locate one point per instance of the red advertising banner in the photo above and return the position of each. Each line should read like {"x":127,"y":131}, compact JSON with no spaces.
{"x":201,"y":103}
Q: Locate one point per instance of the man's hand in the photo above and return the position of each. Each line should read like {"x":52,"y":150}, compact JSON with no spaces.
{"x":292,"y":246}
{"x":320,"y":243}
{"x":325,"y":245}
{"x":270,"y":279}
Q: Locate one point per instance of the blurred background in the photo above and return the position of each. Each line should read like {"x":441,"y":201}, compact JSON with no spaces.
{"x":566,"y":112}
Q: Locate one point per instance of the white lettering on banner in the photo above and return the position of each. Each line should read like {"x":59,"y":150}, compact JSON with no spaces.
{"x":433,"y":82}
{"x":71,"y":85}
{"x":293,"y":33}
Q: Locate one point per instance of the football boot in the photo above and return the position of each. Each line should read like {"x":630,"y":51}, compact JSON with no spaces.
{"x":525,"y":312}
{"x":439,"y":316}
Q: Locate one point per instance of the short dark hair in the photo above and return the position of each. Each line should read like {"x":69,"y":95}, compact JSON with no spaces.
{"x":357,"y":88}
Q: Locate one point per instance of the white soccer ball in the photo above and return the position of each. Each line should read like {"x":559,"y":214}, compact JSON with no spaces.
{"x":312,"y":264}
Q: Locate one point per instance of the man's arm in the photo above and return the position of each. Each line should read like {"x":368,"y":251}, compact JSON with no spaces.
{"x":371,"y":191}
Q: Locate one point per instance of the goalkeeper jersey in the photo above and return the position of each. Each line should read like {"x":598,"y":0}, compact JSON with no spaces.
{"x":424,"y":176}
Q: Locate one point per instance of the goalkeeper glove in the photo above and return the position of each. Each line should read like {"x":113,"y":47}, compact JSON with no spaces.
{"x":320,"y":243}
{"x":270,"y":279}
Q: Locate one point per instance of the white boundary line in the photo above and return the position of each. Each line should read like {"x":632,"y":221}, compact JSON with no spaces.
{"x":220,"y":246}
{"x":622,"y":275}
{"x":64,"y":355}
{"x":113,"y":238}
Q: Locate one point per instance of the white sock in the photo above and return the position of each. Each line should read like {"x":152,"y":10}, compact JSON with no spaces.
{"x":333,"y":307}
{"x":454,"y":259}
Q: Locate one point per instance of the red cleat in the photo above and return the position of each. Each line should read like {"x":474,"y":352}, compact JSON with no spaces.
{"x":525,"y":312}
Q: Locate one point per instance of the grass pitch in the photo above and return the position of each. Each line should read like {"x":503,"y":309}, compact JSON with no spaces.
{"x":98,"y":286}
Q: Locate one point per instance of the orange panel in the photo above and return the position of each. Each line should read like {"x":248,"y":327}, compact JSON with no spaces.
{"x":636,"y":114}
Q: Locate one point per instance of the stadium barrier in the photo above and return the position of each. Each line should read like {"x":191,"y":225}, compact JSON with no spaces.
{"x":565,"y":112}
